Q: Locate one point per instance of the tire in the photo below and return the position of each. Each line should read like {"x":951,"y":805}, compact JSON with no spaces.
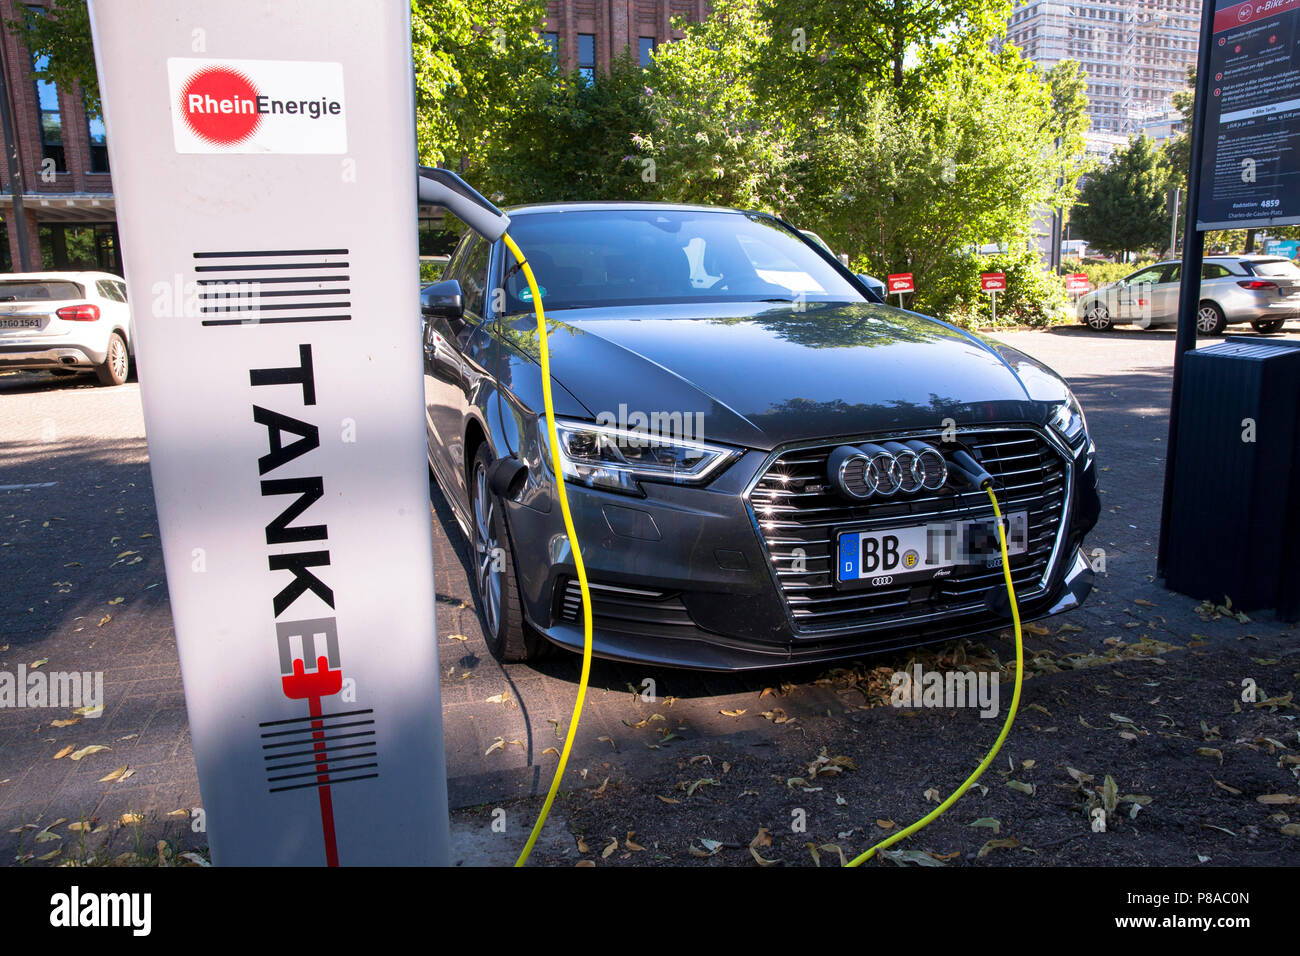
{"x":1266,"y":326}
{"x":1210,"y":319}
{"x":1097,"y":317}
{"x":117,"y":364}
{"x":496,"y":588}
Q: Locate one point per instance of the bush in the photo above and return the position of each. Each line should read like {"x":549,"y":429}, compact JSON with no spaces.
{"x":952,"y":292}
{"x":1100,"y":273}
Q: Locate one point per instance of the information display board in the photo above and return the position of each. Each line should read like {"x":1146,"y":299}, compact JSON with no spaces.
{"x":1250,"y":169}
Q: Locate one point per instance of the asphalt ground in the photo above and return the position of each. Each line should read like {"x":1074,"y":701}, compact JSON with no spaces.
{"x":84,"y":590}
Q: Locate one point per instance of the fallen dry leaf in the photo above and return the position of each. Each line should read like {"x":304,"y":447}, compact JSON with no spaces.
{"x":87,"y":751}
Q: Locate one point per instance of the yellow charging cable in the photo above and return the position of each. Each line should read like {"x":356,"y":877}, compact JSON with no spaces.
{"x":573,"y":546}
{"x":558,"y":469}
{"x":1006,"y":727}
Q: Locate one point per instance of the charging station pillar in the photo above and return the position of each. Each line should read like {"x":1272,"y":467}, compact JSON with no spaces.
{"x":263,"y":159}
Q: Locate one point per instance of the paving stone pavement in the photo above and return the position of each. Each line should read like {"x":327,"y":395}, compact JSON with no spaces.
{"x":83,"y":589}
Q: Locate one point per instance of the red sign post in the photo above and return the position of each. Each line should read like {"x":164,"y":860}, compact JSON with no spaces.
{"x":993,"y":283}
{"x":901,"y":282}
{"x":1076,"y":283}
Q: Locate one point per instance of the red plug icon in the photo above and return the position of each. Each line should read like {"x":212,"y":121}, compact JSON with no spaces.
{"x":322,"y":682}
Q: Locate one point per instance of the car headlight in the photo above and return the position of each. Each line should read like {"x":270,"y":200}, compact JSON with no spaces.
{"x":616,"y":459}
{"x":1068,"y":421}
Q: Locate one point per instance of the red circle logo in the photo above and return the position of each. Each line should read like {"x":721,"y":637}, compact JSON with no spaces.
{"x":220,"y":105}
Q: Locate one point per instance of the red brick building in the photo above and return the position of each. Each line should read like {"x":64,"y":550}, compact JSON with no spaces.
{"x":588,"y":33}
{"x":62,"y":158}
{"x":62,"y":153}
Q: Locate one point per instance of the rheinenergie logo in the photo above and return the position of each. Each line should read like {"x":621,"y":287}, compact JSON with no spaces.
{"x":224,"y":107}
{"x":257,"y":106}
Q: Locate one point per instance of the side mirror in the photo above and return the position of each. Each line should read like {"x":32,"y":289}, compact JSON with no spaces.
{"x":442,"y":300}
{"x":874,"y":285}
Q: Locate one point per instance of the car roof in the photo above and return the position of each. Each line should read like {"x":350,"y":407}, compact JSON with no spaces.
{"x":1223,"y":257}
{"x":56,"y":276}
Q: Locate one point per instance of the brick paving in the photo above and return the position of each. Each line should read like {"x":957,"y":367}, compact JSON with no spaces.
{"x":68,"y":551}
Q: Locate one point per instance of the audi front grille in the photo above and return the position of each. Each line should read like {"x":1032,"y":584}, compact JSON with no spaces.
{"x":798,"y":514}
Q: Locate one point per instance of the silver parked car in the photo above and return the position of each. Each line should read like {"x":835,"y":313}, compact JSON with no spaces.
{"x":66,"y":322}
{"x":1261,"y":290}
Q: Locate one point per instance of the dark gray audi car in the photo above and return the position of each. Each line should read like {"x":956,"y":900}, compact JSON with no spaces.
{"x":766,"y":464}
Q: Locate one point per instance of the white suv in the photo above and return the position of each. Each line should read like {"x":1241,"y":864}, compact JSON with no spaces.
{"x":66,"y":321}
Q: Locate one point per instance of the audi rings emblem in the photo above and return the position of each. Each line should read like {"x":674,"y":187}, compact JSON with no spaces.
{"x":884,"y":469}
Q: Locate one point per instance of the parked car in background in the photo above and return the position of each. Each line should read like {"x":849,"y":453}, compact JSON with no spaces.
{"x":66,"y":322}
{"x":1261,"y":290}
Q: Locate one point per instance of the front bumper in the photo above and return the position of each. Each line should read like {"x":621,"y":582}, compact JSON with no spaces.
{"x":683,"y":577}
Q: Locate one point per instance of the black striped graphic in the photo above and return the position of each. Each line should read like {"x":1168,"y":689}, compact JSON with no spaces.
{"x":305,"y":752}
{"x":273,"y":286}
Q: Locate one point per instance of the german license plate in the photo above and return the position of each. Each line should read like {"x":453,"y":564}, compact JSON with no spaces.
{"x":881,"y":558}
{"x":17,"y":323}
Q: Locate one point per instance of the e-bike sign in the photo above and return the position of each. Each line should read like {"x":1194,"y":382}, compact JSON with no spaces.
{"x":268,"y":235}
{"x":1250,"y":171}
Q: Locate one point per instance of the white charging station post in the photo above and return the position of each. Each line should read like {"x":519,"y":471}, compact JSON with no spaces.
{"x":263,"y":159}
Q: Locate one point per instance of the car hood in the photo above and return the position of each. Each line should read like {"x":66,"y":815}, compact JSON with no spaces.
{"x":760,"y":375}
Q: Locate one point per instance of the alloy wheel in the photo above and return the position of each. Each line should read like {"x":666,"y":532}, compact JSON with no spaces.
{"x":1207,"y":320}
{"x":117,"y":358}
{"x":1098,"y":318}
{"x":486,"y":562}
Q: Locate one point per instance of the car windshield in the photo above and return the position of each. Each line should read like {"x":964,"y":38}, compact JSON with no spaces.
{"x":600,"y":257}
{"x":1276,"y":269}
{"x":28,"y":290}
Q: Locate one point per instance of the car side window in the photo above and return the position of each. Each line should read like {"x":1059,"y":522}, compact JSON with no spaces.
{"x":121,"y":290}
{"x":1212,"y":270}
{"x":1148,"y":275}
{"x":1173,"y":274}
{"x":473,"y":279}
{"x":106,"y":290}
{"x":452,"y":270}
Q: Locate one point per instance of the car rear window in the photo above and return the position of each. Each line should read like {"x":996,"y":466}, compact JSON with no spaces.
{"x":1277,"y":269}
{"x":36,"y":291}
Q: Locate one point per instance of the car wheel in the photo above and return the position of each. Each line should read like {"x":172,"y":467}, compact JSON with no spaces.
{"x":117,"y":364}
{"x":1210,"y":319}
{"x":1268,"y":325}
{"x":1097,"y":317}
{"x":495,"y":585}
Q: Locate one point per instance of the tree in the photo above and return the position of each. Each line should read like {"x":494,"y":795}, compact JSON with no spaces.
{"x":1122,"y":207}
{"x":476,"y":65}
{"x":61,"y":36}
{"x":710,"y":136}
{"x":1178,"y":149}
{"x":834,"y":50}
{"x":574,"y":140}
{"x":910,"y":188}
{"x":1068,"y":120}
